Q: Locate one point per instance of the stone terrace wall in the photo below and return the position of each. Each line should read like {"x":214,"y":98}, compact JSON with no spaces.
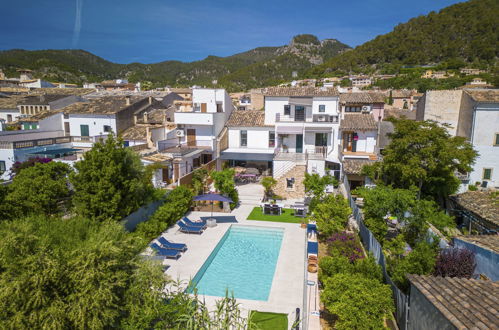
{"x":298,"y":191}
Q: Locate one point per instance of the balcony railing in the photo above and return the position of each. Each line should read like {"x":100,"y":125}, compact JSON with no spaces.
{"x":300,"y":118}
{"x":197,"y":144}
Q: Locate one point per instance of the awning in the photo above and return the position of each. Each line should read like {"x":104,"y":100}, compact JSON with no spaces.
{"x":55,"y":151}
{"x":320,"y":129}
{"x":289,"y":129}
{"x":305,"y":101}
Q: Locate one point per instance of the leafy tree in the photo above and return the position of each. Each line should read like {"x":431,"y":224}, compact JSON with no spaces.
{"x":420,"y":261}
{"x":40,"y":189}
{"x":345,"y":82}
{"x":146,"y":85}
{"x":358,"y":302}
{"x":315,"y":185}
{"x":199,"y":181}
{"x":390,"y":98}
{"x":110,"y":182}
{"x":224,"y":183}
{"x":331,"y":214}
{"x":422,"y":154}
{"x":381,"y":201}
{"x":268,"y":184}
{"x":455,"y":263}
{"x":366,"y":267}
{"x":346,"y":245}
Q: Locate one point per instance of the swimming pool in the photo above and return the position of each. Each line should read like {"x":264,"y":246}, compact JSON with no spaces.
{"x":243,"y":262}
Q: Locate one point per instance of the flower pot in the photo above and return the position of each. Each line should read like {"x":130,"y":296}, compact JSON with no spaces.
{"x":303,"y":225}
{"x":312,"y":268}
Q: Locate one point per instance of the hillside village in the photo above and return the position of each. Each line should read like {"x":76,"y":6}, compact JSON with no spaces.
{"x":289,"y":132}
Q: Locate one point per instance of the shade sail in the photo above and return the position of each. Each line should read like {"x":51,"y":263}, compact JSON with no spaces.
{"x":212,"y":198}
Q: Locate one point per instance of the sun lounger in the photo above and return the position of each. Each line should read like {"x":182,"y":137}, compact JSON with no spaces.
{"x":173,"y":246}
{"x":189,"y":229}
{"x":168,"y":253}
{"x":194,"y":224}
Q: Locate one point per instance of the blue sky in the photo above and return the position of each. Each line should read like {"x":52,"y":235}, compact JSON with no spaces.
{"x":150,"y":31}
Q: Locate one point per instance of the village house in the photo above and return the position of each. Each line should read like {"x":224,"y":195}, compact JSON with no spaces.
{"x":471,"y":71}
{"x":477,"y":211}
{"x":363,"y":102}
{"x":473,"y":114}
{"x":486,"y":250}
{"x":361,"y":81}
{"x":9,"y":112}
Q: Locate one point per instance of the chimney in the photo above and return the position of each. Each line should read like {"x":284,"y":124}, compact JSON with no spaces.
{"x":127,"y":100}
{"x":145,"y":117}
{"x":150,"y":144}
{"x":135,"y":119}
{"x":150,"y":99}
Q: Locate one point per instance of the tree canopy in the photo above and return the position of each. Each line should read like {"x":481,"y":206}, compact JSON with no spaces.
{"x":424,"y":156}
{"x":110,"y":182}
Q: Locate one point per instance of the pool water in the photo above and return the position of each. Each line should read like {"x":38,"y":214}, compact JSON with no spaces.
{"x":243,"y":262}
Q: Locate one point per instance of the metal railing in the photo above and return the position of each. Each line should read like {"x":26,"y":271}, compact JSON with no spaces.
{"x":199,"y":144}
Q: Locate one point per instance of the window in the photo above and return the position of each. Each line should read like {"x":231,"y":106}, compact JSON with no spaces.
{"x":219,"y":107}
{"x":322,"y":108}
{"x":287,"y":110}
{"x":321,"y":139}
{"x":290,"y":183}
{"x":487,"y":174}
{"x":244,"y":139}
{"x":2,"y":167}
{"x":84,"y":131}
{"x":353,"y":109}
{"x":271,"y":139}
{"x":107,"y":128}
{"x":496,"y":140}
{"x":9,"y":118}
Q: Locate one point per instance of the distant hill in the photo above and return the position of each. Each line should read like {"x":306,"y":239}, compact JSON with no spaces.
{"x":239,"y":71}
{"x":465,"y":32}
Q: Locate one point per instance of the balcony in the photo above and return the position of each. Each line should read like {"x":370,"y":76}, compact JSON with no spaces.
{"x":300,"y":118}
{"x":356,"y":154}
{"x":163,"y":146}
{"x":194,"y":118}
{"x":310,"y":153}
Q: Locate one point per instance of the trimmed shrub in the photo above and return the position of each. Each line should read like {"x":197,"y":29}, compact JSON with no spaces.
{"x":346,"y":245}
{"x":455,"y":263}
{"x":177,"y":203}
{"x":331,"y":214}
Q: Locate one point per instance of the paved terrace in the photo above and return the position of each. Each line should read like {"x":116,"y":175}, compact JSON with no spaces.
{"x":287,"y":291}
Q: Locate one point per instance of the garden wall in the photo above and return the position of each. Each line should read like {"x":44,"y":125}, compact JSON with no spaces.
{"x":487,"y":261}
{"x":131,"y":221}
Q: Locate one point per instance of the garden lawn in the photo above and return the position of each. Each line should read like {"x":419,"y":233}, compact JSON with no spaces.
{"x":269,"y":321}
{"x":286,"y":216}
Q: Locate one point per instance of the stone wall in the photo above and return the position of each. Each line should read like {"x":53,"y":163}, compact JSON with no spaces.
{"x":298,"y":191}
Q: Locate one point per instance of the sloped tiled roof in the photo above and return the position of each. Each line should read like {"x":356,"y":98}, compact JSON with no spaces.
{"x":300,"y":91}
{"x":466,"y":303}
{"x":354,"y":166}
{"x":358,"y":121}
{"x":399,"y":113}
{"x":41,"y":99}
{"x":246,"y":118}
{"x":400,"y":93}
{"x":362,"y":98}
{"x":64,"y":91}
{"x":490,"y":242}
{"x":484,"y":95}
{"x":483,"y":204}
{"x":11,"y":102}
{"x":135,"y":133}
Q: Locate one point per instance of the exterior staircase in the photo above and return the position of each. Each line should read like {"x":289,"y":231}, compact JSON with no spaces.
{"x":288,"y":166}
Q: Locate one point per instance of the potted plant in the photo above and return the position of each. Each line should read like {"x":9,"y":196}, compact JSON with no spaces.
{"x":304,"y":222}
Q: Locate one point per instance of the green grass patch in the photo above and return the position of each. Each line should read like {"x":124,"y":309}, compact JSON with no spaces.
{"x":268,"y":321}
{"x":287,"y":215}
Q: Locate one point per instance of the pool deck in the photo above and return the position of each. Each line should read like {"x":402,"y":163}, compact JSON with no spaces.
{"x":287,"y":291}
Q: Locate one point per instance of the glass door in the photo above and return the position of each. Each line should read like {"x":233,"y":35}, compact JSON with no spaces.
{"x":299,"y":143}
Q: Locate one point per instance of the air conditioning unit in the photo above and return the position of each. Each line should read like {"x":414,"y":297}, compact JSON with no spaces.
{"x":366,"y":109}
{"x":321,"y":118}
{"x":179,"y":133}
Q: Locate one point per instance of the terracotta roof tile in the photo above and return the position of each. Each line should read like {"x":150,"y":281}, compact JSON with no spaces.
{"x":483,"y":204}
{"x":358,"y":121}
{"x":63,"y":91}
{"x":41,"y":99}
{"x":489,"y":242}
{"x":362,"y":98}
{"x":11,"y":101}
{"x":246,"y":118}
{"x":466,"y":303}
{"x":300,"y":91}
{"x":484,"y":95}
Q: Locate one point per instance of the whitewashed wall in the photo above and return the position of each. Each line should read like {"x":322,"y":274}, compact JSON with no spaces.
{"x":366,"y":141}
{"x":95,"y":123}
{"x":258,"y":137}
{"x":4,"y":113}
{"x":52,"y":123}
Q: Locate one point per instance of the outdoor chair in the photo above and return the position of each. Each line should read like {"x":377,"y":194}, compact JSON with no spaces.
{"x":275,"y":210}
{"x":189,"y":229}
{"x":267,"y":209}
{"x":167,"y":253}
{"x":172,"y":246}
{"x":190,"y":223}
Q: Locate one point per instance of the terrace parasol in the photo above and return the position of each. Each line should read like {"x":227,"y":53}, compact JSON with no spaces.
{"x":212,"y":198}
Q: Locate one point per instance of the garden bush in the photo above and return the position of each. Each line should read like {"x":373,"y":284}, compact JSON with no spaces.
{"x":176,"y":204}
{"x":224,"y":183}
{"x":455,"y":263}
{"x":420,"y":261}
{"x":331,"y":214}
{"x":366,"y":267}
{"x":346,"y":245}
{"x":357,"y":301}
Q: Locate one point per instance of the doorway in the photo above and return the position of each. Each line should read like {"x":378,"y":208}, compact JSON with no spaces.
{"x":299,"y":143}
{"x":350,"y":141}
{"x":191,"y":137}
